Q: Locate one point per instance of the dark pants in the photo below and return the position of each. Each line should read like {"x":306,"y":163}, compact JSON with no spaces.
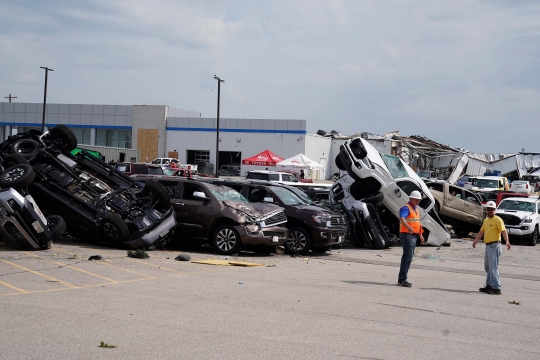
{"x":408,"y":243}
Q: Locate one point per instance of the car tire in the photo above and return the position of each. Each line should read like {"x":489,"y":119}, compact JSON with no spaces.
{"x":226,"y":240}
{"x":18,"y":177}
{"x":27,"y":148}
{"x":299,"y":241}
{"x":340,"y":164}
{"x":534,"y":238}
{"x":159,"y":191}
{"x":64,"y":137}
{"x":56,"y":225}
{"x":113,"y":229}
{"x":373,"y":199}
{"x":14,"y":159}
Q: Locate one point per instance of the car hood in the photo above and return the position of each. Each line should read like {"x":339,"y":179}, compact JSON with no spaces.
{"x":520,"y":214}
{"x":243,"y":207}
{"x":315,"y":210}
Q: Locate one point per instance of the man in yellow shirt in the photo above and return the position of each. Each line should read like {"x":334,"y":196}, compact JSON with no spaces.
{"x":491,"y":230}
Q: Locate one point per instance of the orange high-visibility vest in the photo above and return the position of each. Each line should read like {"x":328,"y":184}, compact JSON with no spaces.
{"x":413,"y":220}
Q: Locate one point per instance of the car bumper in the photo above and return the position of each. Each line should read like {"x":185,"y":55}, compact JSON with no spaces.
{"x":328,"y":236}
{"x":520,"y":231}
{"x":269,"y":236}
{"x":156,"y":236}
{"x":437,"y":234}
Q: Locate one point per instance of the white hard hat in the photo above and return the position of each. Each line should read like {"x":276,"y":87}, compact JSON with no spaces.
{"x":415,"y":195}
{"x":491,"y":204}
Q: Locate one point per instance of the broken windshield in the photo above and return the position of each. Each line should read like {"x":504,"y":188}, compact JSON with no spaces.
{"x":395,"y":166}
{"x":517,"y":205}
{"x":486,"y":183}
{"x":225,"y":193}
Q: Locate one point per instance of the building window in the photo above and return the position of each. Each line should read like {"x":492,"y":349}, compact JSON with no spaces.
{"x":21,"y":129}
{"x":202,"y":156}
{"x":82,"y":135}
{"x":114,"y":138}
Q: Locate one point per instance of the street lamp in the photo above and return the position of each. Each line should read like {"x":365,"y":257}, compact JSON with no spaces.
{"x":45,"y":96}
{"x":217,"y":128}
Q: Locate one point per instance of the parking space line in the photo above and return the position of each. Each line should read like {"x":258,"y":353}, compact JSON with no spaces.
{"x":39,"y":274}
{"x":121,"y":268}
{"x":71,"y":267}
{"x":13,"y":287}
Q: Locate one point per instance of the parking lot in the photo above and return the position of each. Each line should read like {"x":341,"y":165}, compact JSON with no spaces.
{"x":59,"y":305}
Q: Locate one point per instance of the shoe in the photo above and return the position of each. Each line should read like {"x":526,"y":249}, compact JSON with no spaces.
{"x":404,"y":283}
{"x":494,"y":291}
{"x":485,"y":289}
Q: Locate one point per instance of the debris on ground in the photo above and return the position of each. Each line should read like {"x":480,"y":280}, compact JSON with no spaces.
{"x":139,"y":254}
{"x":103,"y":344}
{"x":225,"y":263}
{"x":514,"y":302}
{"x":240,"y":283}
{"x":183,"y":257}
{"x":271,"y":265}
{"x":95,"y":257}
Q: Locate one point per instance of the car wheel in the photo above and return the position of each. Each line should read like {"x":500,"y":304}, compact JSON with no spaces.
{"x":299,"y":241}
{"x":226,"y":240}
{"x":14,"y":159}
{"x":340,"y":164}
{"x":158,"y":191}
{"x":27,"y":148}
{"x":534,"y":238}
{"x":64,"y":137}
{"x":18,"y":177}
{"x":373,"y":199}
{"x":113,"y":229}
{"x":56,"y":225}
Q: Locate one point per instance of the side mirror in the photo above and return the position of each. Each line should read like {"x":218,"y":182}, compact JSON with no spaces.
{"x":268,"y":199}
{"x":199,"y":195}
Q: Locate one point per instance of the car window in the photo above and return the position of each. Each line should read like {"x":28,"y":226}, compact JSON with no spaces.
{"x":169,"y":171}
{"x":257,"y":194}
{"x":517,"y":205}
{"x":123,"y":168}
{"x":487,"y":183}
{"x":408,"y":187}
{"x":394,"y":164}
{"x":224,"y":193}
{"x":155,"y":171}
{"x":170,"y":186}
{"x":140,"y":169}
{"x":286,"y":196}
{"x":455,"y":191}
{"x":156,"y":161}
{"x":273,"y":177}
{"x":256,"y":176}
{"x":189,"y":189}
{"x":471,"y":197}
{"x":436,"y":186}
{"x":302,"y":195}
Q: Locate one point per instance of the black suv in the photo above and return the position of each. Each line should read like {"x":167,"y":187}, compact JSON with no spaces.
{"x":311,"y":227}
{"x":96,"y":200}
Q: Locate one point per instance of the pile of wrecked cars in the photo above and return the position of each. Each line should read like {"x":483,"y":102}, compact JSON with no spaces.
{"x":373,"y":190}
{"x":96,"y":201}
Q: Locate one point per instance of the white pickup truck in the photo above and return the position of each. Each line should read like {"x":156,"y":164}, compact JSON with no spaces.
{"x":164,"y":163}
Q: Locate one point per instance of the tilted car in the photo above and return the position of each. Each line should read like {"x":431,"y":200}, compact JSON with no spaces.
{"x":140,"y":169}
{"x":222,"y":217}
{"x":382,"y":173}
{"x":311,"y":227}
{"x":96,"y":200}
{"x":22,"y":224}
{"x":521,"y":217}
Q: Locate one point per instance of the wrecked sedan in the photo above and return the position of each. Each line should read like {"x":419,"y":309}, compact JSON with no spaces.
{"x":222,"y":217}
{"x":375,"y":173}
{"x":22,"y":224}
{"x":96,"y":201}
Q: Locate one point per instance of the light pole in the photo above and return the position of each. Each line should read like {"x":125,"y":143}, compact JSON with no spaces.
{"x":45,"y":96}
{"x":219,"y":81}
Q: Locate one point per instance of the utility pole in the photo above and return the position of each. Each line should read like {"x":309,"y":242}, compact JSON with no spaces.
{"x":45,"y":96}
{"x":219,"y":81}
{"x":10,"y":97}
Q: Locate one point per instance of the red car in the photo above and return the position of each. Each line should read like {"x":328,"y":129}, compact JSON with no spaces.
{"x":498,"y":196}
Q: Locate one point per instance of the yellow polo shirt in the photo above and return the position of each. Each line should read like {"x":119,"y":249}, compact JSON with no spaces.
{"x":492,"y":228}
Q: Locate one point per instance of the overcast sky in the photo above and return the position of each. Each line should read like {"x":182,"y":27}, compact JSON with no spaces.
{"x":461,"y":72}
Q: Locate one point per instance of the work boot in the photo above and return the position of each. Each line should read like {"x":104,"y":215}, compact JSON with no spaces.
{"x":405,"y":283}
{"x":485,"y":289}
{"x":494,"y":291}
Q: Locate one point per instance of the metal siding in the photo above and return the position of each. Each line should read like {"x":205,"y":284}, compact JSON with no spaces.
{"x":113,"y":153}
{"x":317,"y":148}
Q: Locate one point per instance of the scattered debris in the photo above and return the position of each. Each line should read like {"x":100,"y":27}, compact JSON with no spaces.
{"x":432,"y":257}
{"x":225,"y":263}
{"x":240,"y":283}
{"x":103,"y":344}
{"x":139,"y":254}
{"x":446,"y":244}
{"x":94,"y":257}
{"x":72,"y":257}
{"x":514,"y":302}
{"x":183,"y":257}
{"x":271,"y":265}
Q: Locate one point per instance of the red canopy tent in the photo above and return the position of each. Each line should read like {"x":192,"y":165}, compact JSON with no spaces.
{"x":265,"y":158}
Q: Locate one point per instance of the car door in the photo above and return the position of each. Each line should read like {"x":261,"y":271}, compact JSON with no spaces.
{"x":192,"y":212}
{"x":473,"y":210}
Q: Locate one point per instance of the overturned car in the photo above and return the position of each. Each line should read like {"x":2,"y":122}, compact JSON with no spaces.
{"x":22,"y":224}
{"x":386,"y":181}
{"x":96,"y":201}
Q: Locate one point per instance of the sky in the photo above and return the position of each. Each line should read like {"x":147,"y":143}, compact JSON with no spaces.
{"x":461,"y":72}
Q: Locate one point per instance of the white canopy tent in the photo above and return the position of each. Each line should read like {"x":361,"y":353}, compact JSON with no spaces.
{"x":302,"y":162}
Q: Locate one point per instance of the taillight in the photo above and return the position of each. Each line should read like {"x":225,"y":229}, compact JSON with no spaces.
{"x":526,"y":186}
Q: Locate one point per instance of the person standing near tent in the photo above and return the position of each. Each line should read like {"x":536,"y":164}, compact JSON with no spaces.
{"x":302,"y":174}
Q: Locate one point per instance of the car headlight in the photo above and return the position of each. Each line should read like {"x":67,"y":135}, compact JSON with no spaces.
{"x":253,"y":229}
{"x":249,"y":219}
{"x":527,"y":221}
{"x":322,"y":220}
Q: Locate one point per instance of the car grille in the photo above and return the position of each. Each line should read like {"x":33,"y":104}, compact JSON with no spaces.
{"x":275,"y":218}
{"x":279,"y":234}
{"x":337,"y":220}
{"x":16,"y":235}
{"x":510,"y":219}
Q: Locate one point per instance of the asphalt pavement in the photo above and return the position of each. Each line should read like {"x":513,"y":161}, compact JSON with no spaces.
{"x":57,"y":304}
